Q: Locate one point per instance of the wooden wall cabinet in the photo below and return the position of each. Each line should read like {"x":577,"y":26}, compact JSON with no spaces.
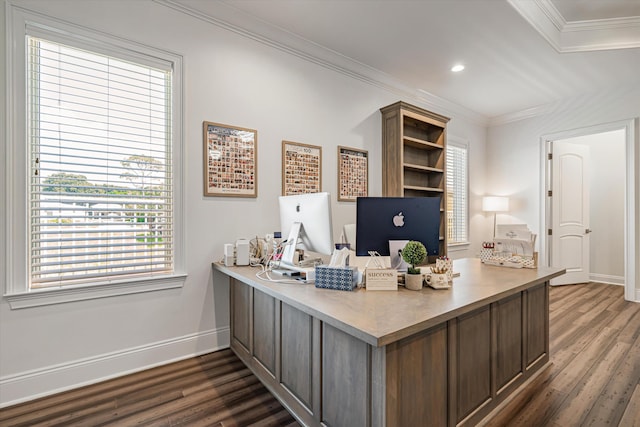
{"x":413,"y":157}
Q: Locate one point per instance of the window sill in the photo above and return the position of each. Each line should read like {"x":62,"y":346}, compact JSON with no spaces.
{"x":82,"y":293}
{"x":458,"y":247}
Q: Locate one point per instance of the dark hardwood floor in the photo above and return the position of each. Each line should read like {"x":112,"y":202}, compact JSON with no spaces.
{"x":594,"y":375}
{"x":211,"y":390}
{"x":592,"y":380}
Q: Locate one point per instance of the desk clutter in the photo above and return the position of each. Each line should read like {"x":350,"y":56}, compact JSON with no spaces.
{"x":512,"y":247}
{"x":374,"y":273}
{"x":377,"y":276}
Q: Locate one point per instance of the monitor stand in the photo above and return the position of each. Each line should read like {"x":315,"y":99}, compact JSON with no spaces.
{"x":288,"y":262}
{"x":289,"y":252}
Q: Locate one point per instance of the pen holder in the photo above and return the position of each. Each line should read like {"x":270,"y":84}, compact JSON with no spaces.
{"x":438,"y":281}
{"x":441,"y":264}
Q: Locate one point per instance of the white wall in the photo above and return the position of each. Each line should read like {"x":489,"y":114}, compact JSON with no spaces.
{"x":514,"y":154}
{"x":229,"y":79}
{"x":607,"y":185}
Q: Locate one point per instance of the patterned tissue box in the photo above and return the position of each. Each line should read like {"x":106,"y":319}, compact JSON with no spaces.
{"x":339,"y":278}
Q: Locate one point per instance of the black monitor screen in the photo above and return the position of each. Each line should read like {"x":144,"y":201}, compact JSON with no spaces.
{"x":380,"y":219}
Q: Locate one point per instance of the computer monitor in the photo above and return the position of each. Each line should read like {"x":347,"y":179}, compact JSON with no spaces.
{"x":380,"y":219}
{"x":305,"y":219}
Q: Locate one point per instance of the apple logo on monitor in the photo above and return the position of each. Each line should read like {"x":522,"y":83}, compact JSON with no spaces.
{"x":398,"y":220}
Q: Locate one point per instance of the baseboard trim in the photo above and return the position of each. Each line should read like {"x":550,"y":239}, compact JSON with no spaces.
{"x":606,"y":278}
{"x":25,"y":386}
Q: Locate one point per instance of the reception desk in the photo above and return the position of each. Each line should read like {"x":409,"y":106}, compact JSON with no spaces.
{"x":393,"y":358}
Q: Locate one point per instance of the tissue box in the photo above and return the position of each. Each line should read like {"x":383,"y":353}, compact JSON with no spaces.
{"x":339,"y":278}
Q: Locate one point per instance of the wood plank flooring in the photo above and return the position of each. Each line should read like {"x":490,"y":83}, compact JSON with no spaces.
{"x":211,"y":390}
{"x":593,"y":380}
{"x":594,"y":375}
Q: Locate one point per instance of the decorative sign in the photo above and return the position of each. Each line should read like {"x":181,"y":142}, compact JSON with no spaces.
{"x":379,"y":279}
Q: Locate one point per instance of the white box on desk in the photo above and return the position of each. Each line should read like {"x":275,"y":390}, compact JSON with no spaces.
{"x":381,"y":279}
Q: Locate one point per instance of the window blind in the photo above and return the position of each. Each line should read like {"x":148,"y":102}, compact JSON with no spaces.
{"x":100,"y":194}
{"x":456,"y":176}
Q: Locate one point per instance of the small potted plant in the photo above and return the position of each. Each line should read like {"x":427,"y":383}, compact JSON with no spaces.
{"x":413,"y":254}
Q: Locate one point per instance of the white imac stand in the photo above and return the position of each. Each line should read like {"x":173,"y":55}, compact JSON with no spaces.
{"x":289,"y":252}
{"x":289,"y":261}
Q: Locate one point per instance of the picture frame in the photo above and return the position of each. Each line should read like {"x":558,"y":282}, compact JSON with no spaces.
{"x":301,"y":168}
{"x":230,"y":160}
{"x":353,"y":174}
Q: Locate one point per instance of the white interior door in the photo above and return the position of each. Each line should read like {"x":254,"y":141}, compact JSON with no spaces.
{"x":570,"y":212}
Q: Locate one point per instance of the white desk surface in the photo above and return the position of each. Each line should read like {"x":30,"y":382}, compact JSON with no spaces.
{"x":382,"y":317}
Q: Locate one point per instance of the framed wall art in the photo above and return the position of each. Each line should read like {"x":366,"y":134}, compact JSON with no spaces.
{"x":230,"y":161}
{"x":301,"y":168}
{"x":353,"y":174}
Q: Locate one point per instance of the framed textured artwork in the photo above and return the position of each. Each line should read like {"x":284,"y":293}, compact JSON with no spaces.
{"x":353,"y":174}
{"x":301,"y":168}
{"x":230,"y":161}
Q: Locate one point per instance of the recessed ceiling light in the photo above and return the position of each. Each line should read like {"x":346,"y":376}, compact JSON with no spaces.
{"x":457,"y":68}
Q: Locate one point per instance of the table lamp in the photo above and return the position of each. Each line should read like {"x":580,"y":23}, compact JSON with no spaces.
{"x":495,"y":204}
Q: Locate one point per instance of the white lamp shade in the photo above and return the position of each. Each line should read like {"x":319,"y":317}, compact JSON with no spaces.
{"x":495,"y":204}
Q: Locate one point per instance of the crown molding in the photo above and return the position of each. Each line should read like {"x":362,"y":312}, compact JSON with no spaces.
{"x":232,"y":19}
{"x":578,"y":36}
{"x":611,"y":94}
{"x":516,"y":116}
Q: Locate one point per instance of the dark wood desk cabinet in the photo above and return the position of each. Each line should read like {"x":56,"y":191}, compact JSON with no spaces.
{"x":393,"y":358}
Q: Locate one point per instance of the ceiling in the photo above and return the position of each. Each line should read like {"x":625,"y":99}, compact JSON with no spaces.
{"x":520,"y":55}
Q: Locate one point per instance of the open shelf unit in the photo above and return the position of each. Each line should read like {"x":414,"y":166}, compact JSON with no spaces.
{"x":413,"y":157}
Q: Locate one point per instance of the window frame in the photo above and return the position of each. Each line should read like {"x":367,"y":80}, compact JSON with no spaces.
{"x":453,"y":141}
{"x":21,"y":22}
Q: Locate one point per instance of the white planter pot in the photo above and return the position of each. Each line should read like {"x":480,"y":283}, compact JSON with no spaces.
{"x":413,"y":281}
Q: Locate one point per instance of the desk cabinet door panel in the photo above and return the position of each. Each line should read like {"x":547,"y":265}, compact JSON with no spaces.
{"x":264,"y":330}
{"x":537,"y":319}
{"x":509,"y":340}
{"x":241,"y":300}
{"x":474,"y":361}
{"x":417,"y":384}
{"x":345,"y":377}
{"x":296,"y":353}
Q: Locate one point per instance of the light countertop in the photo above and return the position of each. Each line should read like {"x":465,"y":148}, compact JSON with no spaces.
{"x":382,"y":317}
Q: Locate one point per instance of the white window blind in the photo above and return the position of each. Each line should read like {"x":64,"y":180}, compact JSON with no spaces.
{"x":457,"y":194}
{"x":100,"y":194}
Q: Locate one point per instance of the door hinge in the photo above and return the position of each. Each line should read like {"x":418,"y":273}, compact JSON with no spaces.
{"x":549,"y":193}
{"x":549,"y":232}
{"x":550,"y":156}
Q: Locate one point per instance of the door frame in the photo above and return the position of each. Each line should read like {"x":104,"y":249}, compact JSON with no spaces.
{"x":632,"y":176}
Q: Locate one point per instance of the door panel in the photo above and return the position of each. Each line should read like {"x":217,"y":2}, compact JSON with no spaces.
{"x":570,"y":212}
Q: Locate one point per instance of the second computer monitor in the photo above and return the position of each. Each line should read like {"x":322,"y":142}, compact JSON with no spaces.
{"x":380,"y":219}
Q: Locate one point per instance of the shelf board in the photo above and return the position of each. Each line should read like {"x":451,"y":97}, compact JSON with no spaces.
{"x":415,"y":142}
{"x":418,"y":188}
{"x":415,"y":167}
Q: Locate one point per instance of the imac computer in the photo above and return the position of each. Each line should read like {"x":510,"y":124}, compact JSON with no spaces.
{"x":380,"y":219}
{"x":305,"y":220}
